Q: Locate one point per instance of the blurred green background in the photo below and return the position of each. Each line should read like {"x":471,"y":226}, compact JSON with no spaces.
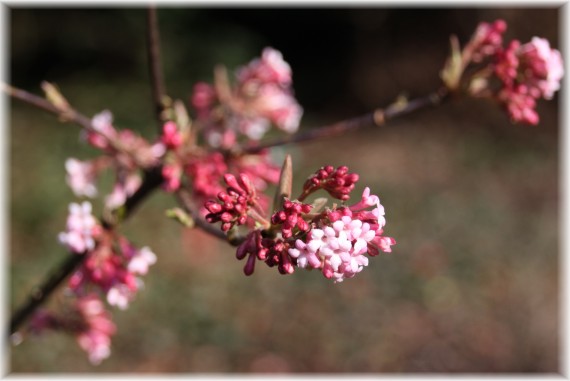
{"x":472,"y":200}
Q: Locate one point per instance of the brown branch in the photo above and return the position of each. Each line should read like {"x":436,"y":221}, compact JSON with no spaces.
{"x":375,"y":118}
{"x":69,"y":114}
{"x":154,"y":65}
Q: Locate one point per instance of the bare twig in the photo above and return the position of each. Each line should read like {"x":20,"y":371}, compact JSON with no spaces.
{"x":69,"y":114}
{"x":376,"y":118}
{"x":154,"y":65}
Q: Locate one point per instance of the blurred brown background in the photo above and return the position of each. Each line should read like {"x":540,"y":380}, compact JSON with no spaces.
{"x":472,"y":200}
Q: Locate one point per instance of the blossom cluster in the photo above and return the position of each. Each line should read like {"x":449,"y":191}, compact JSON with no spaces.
{"x":335,"y":240}
{"x":125,"y":152}
{"x":111,"y":268}
{"x":261,"y":97}
{"x":87,"y":320}
{"x":516,"y":75}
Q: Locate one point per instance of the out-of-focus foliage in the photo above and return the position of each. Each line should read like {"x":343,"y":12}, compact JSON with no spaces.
{"x":472,"y":285}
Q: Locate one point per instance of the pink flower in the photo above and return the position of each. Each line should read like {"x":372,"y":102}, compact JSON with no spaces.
{"x":103,"y":125}
{"x":542,"y":66}
{"x":120,"y":295}
{"x":171,"y":137}
{"x":171,"y":174}
{"x":125,"y":186}
{"x":487,"y":39}
{"x":113,"y":268}
{"x":306,"y":254}
{"x":80,"y":230}
{"x":527,"y":72}
{"x":261,"y":97}
{"x":95,"y":336}
{"x":279,"y":106}
{"x":339,"y":244}
{"x":520,"y":104}
{"x":203,"y":98}
{"x":141,"y":261}
{"x":206,"y":173}
{"x":342,"y":247}
{"x":271,"y":68}
{"x":81,"y":176}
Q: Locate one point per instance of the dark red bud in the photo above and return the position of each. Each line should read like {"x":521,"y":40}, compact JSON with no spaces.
{"x":226,"y":217}
{"x":242,"y":249}
{"x":262,"y":254}
{"x":250,"y":265}
{"x":213,"y":207}
{"x":342,"y":170}
{"x":246,"y":184}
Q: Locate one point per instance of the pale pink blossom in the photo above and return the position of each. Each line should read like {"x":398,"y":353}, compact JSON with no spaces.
{"x":81,"y":176}
{"x":279,"y":107}
{"x":270,"y":68}
{"x":171,"y":173}
{"x":543,"y":66}
{"x":119,"y":296}
{"x":102,"y":124}
{"x":487,"y":39}
{"x":126,"y":186}
{"x":141,"y":261}
{"x":95,"y":336}
{"x":80,"y":228}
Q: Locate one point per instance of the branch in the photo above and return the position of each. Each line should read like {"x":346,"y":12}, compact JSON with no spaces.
{"x":154,"y":65}
{"x":69,"y":114}
{"x":376,"y":118}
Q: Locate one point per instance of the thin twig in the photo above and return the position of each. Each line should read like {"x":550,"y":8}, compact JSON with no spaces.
{"x":154,"y":65}
{"x":376,"y":118}
{"x":69,"y":114}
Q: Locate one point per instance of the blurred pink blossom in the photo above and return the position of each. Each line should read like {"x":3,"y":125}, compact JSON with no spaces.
{"x":80,"y":229}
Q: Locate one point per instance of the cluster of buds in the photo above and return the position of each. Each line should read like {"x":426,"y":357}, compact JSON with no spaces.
{"x":528,"y":72}
{"x":337,"y":182}
{"x":234,"y":206}
{"x":335,"y":240}
{"x":290,"y":217}
{"x":515,"y":75}
{"x":262,"y":96}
